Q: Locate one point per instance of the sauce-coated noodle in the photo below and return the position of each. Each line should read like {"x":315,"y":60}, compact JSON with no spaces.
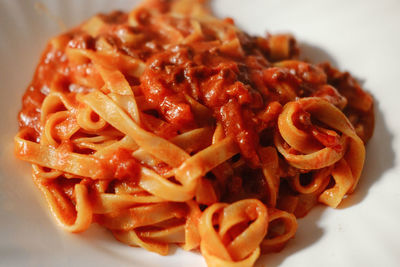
{"x":167,"y":126}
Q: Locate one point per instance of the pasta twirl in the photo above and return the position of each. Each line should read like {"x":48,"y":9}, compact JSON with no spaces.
{"x":167,"y":125}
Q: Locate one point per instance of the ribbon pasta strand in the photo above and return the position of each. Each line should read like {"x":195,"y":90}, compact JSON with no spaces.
{"x":167,"y":125}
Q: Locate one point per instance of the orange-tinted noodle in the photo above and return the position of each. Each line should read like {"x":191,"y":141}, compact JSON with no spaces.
{"x":167,"y":126}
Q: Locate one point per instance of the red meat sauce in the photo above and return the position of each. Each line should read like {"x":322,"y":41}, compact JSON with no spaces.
{"x":54,"y":69}
{"x":239,"y":89}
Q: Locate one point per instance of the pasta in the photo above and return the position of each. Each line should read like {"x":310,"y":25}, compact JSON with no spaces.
{"x":167,"y":125}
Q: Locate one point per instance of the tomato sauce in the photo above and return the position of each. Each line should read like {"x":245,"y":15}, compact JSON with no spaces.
{"x":234,"y":84}
{"x":122,"y":164}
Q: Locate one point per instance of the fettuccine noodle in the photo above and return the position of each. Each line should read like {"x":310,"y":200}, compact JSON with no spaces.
{"x":170,"y":126}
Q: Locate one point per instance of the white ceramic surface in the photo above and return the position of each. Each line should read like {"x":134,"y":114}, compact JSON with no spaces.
{"x":362,"y":36}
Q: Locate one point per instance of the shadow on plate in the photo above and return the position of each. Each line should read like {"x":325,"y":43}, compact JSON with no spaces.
{"x":315,"y":54}
{"x":307,"y":234}
{"x":103,"y":241}
{"x":379,"y":159}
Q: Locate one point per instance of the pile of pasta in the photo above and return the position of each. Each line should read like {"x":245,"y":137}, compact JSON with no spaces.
{"x":170,"y":126}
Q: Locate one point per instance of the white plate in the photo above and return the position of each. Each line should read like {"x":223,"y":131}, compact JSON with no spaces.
{"x":360,"y":36}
